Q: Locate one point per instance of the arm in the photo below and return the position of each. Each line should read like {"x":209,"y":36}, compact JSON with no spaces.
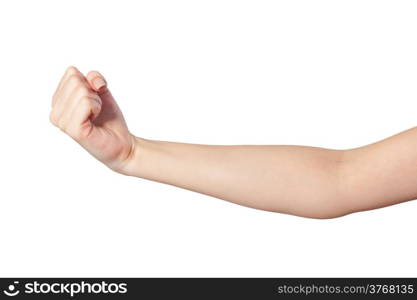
{"x":289,"y":179}
{"x":383,"y":173}
{"x":304,"y":181}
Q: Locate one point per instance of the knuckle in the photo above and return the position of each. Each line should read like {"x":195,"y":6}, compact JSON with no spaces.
{"x":61,"y":125}
{"x":71,"y":70}
{"x":52,"y":118}
{"x":55,"y":99}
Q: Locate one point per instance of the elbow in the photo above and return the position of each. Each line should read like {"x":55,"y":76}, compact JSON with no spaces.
{"x":340,"y":201}
{"x":335,"y":200}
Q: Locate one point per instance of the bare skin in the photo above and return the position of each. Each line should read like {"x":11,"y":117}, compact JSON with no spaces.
{"x":303,"y":181}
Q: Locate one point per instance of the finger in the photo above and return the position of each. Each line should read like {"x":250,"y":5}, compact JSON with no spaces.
{"x":87,"y":109}
{"x":66,"y":114}
{"x":72,"y":82}
{"x":69,"y":72}
{"x":111,"y":111}
{"x":79,"y":124}
{"x":97,"y":82}
{"x":73,"y":89}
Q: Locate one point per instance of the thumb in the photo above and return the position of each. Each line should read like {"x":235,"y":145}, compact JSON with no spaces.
{"x":110,"y":111}
{"x":97,"y":82}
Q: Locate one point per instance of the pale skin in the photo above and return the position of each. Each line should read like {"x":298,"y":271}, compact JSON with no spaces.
{"x":303,"y":181}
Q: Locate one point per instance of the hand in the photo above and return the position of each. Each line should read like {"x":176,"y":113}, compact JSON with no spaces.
{"x":84,"y":108}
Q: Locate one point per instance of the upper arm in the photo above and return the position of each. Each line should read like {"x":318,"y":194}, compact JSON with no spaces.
{"x":381,"y":174}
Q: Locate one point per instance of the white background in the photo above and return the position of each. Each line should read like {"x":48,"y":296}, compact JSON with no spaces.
{"x":335,"y":74}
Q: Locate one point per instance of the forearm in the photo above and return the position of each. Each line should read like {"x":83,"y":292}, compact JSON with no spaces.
{"x":297,"y":180}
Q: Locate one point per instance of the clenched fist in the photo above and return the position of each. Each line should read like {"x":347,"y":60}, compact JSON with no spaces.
{"x":84,"y":108}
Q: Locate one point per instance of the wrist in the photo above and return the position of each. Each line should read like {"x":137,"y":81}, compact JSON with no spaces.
{"x":132,"y":164}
